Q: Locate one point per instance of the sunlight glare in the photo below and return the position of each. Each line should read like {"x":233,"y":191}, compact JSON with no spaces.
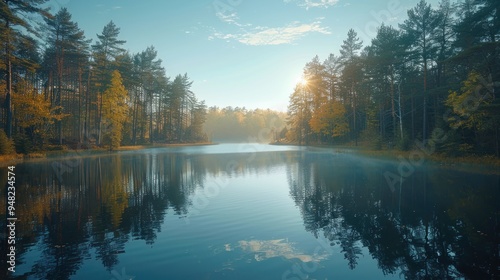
{"x":301,"y":81}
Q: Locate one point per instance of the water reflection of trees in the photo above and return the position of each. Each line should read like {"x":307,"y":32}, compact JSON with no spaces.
{"x":436,"y":225}
{"x":96,"y":208}
{"x":439,"y":224}
{"x":104,"y":202}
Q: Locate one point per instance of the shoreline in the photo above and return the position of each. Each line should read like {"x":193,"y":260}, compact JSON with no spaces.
{"x":476,"y":161}
{"x":6,"y":160}
{"x":471,"y":161}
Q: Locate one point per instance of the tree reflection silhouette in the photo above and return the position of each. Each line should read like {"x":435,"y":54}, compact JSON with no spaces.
{"x":428,"y":229}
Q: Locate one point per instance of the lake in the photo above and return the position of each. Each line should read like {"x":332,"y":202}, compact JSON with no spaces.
{"x":251,"y":211}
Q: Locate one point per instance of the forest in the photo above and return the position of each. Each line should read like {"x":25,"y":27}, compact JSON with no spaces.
{"x":242,"y":125}
{"x":432,"y":79}
{"x":64,"y":89}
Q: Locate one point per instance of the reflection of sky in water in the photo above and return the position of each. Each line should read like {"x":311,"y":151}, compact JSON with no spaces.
{"x":266,"y":249}
{"x":230,"y":148}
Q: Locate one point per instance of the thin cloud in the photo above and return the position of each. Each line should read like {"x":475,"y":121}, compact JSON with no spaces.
{"x":261,"y":36}
{"x":314,"y":3}
{"x":228,"y":18}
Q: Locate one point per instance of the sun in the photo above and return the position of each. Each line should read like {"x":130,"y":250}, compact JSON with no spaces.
{"x":301,"y":81}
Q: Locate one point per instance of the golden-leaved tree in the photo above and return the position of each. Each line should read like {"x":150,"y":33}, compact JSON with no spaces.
{"x":469,"y":104}
{"x":330,"y":120}
{"x":114,"y":111}
{"x":476,"y":108}
{"x":34,"y":113}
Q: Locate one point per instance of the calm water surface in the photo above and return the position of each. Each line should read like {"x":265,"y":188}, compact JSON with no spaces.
{"x":250,"y":211}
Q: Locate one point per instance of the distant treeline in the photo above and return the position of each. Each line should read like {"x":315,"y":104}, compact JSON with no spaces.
{"x":62,"y":89}
{"x":434,"y":78}
{"x":241,"y":125}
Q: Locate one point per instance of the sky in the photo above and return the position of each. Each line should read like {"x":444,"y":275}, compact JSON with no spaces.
{"x":239,"y":53}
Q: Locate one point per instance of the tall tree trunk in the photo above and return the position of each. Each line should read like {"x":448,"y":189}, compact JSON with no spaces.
{"x":87,"y":111}
{"x":400,"y":112}
{"x":393,"y":107}
{"x":135,"y":116}
{"x":412,"y":116}
{"x":8,"y":100}
{"x":151,"y":119}
{"x":60,"y":62}
{"x":8,"y":81}
{"x":424,"y":125}
{"x":355,"y":134}
{"x":497,"y":138}
{"x":80,"y":134}
{"x":99,"y":119}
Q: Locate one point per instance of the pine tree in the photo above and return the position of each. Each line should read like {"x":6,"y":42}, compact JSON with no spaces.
{"x":299,"y":115}
{"x":331,"y":72}
{"x":316,"y":87}
{"x":444,"y":37}
{"x":105,"y":51}
{"x":386,"y":57}
{"x":350,"y":47}
{"x":152,"y":82}
{"x":419,"y":29}
{"x":195,"y":130}
{"x":351,"y":77}
{"x":67,"y":44}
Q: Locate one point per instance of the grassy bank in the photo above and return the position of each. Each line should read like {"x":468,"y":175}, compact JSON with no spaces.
{"x":474,"y":163}
{"x":6,"y":160}
{"x":394,"y":154}
{"x":148,"y":146}
{"x":433,"y":157}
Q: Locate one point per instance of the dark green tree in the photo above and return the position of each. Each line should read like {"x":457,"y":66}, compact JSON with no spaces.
{"x":420,"y":28}
{"x":67,"y":52}
{"x":386,"y":58}
{"x":351,"y":78}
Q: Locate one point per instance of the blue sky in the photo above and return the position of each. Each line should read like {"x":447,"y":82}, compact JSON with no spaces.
{"x":246,"y":53}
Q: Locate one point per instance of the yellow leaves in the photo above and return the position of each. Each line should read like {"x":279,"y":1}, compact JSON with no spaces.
{"x":319,"y":122}
{"x":114,"y":194}
{"x":466,"y":104}
{"x":115,"y":99}
{"x":330,"y":119}
{"x":240,"y":117}
{"x":115,"y":110}
{"x":32,"y":109}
